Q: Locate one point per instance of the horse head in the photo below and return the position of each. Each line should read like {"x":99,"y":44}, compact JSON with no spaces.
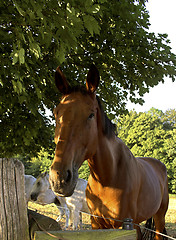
{"x":75,"y":132}
{"x":41,"y":185}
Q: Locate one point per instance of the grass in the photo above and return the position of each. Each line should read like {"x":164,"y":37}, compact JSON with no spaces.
{"x":52,"y":211}
{"x":171,"y":216}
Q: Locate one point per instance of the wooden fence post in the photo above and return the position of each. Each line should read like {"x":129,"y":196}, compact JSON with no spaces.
{"x":13,"y":209}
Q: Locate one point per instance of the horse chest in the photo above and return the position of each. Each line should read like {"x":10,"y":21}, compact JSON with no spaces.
{"x":104,"y":202}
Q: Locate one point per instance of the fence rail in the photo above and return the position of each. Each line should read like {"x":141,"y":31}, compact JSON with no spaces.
{"x":110,"y":234}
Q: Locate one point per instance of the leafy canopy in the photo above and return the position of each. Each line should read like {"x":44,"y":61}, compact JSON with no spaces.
{"x":37,"y":36}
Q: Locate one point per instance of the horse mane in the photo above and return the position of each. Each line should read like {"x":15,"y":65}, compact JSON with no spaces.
{"x":109,"y":128}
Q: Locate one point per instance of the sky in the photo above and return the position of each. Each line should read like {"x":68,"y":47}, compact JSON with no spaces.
{"x":162,"y":19}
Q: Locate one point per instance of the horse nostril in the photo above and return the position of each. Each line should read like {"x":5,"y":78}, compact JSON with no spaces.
{"x":68,"y":176}
{"x":34,"y":197}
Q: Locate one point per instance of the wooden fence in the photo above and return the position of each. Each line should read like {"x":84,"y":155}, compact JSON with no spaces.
{"x":14,"y":218}
{"x":110,"y":234}
{"x":13,"y":209}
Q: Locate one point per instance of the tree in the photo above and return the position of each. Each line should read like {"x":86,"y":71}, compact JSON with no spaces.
{"x":37,"y":36}
{"x":36,"y":165}
{"x":84,"y":171}
{"x":145,"y":135}
{"x":170,"y":158}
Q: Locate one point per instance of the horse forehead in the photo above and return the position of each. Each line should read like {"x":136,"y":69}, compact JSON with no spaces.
{"x":77,"y":98}
{"x":75,"y":103}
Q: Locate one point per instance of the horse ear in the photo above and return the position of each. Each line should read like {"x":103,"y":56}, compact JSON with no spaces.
{"x":61,"y":82}
{"x":93,"y":79}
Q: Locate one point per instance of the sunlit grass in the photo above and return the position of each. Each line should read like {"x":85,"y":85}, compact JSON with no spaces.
{"x":171,"y":216}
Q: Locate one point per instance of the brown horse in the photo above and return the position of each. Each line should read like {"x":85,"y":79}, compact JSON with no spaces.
{"x":120,"y":185}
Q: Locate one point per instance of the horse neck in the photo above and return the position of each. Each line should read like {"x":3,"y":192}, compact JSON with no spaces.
{"x":112,"y":158}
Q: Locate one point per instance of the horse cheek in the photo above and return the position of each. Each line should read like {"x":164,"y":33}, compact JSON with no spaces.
{"x":92,"y":141}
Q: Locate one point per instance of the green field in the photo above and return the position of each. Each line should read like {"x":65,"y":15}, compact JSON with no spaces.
{"x":52,"y":211}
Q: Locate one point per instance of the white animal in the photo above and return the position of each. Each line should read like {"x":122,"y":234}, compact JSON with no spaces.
{"x":44,"y":197}
{"x":29,"y":182}
{"x":73,"y":205}
{"x":77,"y":203}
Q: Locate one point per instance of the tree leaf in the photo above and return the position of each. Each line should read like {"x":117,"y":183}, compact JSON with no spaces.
{"x":20,"y":10}
{"x":21,"y":56}
{"x":15,"y":56}
{"x":91,"y":24}
{"x":35,"y":49}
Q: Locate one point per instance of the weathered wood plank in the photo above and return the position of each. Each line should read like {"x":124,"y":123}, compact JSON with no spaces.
{"x":7,"y":207}
{"x":110,"y":234}
{"x":3,"y":224}
{"x":21,"y":199}
{"x":11,"y":191}
{"x":13,"y":210}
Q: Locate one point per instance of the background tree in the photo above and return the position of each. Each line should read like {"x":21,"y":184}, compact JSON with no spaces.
{"x":151,"y":134}
{"x":38,"y":164}
{"x":37,"y":36}
{"x":84,"y":171}
{"x":42,"y":162}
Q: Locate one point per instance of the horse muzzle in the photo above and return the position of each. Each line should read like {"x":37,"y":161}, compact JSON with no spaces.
{"x":63,"y":182}
{"x":34,"y":196}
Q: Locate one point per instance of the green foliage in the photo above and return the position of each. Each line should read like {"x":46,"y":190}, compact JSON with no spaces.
{"x":152,"y":134}
{"x":36,"y":165}
{"x":169,"y":150}
{"x":42,"y":162}
{"x":84,"y":171}
{"x":37,"y":36}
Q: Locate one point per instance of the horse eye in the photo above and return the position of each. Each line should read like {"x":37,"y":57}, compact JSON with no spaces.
{"x":91,"y":115}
